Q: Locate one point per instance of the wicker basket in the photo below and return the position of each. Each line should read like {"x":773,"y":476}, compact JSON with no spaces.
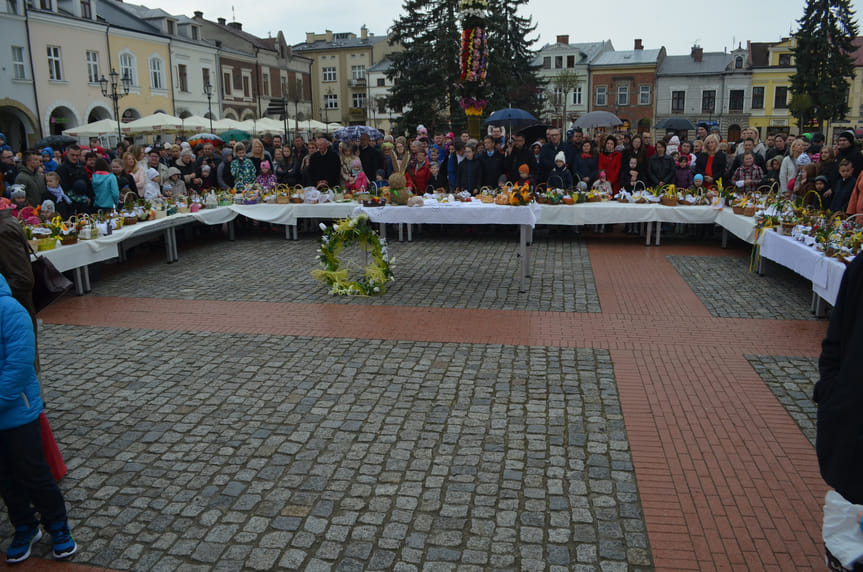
{"x":594,"y":199}
{"x":737,"y":210}
{"x":567,"y":200}
{"x":749,"y":211}
{"x":127,"y":220}
{"x":70,"y":239}
{"x":785,"y":228}
{"x":184,"y":210}
{"x":283,"y":200}
{"x":668,"y":201}
{"x":486,"y":199}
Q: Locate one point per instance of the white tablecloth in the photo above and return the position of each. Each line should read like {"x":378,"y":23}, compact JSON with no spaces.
{"x":743,"y":227}
{"x":614,"y":213}
{"x":80,"y":254}
{"x":824,"y":272}
{"x":453,"y":213}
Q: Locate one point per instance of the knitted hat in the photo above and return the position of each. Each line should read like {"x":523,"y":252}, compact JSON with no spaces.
{"x":561,"y":156}
{"x":265,"y":165}
{"x":356,"y":164}
{"x":450,"y":135}
{"x":824,"y":179}
{"x":699,"y":177}
{"x":849,"y":135}
{"x":173,"y":171}
{"x":524,"y":169}
{"x":803,"y":160}
{"x":48,"y":205}
{"x":227,"y":152}
{"x":19,"y":192}
{"x":152,"y":173}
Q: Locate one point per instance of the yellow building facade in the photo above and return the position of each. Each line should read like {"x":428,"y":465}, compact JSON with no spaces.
{"x":146,"y":60}
{"x":772,"y":67}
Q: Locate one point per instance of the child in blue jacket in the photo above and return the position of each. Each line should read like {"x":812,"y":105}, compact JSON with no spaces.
{"x":26,"y":484}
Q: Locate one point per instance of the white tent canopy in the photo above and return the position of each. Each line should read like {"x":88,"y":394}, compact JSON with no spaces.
{"x":95,"y":129}
{"x":261,"y":126}
{"x":197,"y":124}
{"x":156,"y":123}
{"x":225,"y":124}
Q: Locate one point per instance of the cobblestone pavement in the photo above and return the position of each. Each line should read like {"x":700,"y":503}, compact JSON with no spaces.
{"x":225,"y":451}
{"x":452,"y":271}
{"x":792,"y":380}
{"x":727,"y":288}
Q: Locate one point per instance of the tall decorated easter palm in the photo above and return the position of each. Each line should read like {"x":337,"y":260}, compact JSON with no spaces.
{"x":473,"y":62}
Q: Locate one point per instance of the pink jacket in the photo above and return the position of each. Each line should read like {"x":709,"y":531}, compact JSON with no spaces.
{"x":361,"y":183}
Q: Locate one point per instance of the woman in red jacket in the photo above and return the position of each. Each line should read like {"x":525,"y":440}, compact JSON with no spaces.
{"x":610,"y":161}
{"x":419,"y":174}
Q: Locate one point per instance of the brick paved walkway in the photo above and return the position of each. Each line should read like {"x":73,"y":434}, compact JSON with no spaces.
{"x":453,"y":437}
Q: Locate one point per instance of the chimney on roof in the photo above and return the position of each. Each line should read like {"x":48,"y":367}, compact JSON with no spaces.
{"x":236,"y":26}
{"x":564,"y":39}
{"x":697,"y":53}
{"x":364,"y":33}
{"x":198,"y":15}
{"x":310,"y":37}
{"x":329,"y":34}
{"x":638,"y":44}
{"x":221,"y":21}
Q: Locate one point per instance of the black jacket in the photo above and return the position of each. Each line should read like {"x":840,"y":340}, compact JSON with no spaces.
{"x":469,"y":175}
{"x":842,"y":190}
{"x":720,"y":164}
{"x":852,"y":154}
{"x":372,"y":160}
{"x":492,"y":167}
{"x":547,"y":155}
{"x":517,"y":158}
{"x":660,"y":170}
{"x":585,"y":167}
{"x":325,"y":167}
{"x":839,"y":391}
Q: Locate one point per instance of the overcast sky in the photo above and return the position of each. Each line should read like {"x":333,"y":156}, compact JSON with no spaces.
{"x":675,"y":25}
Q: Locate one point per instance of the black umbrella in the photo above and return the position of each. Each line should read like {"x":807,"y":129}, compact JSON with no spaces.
{"x":511,"y":118}
{"x":55,"y":141}
{"x":676,"y":124}
{"x":534,"y":133}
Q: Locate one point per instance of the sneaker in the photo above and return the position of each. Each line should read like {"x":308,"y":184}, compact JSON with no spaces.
{"x":62,"y":541}
{"x":19,"y":550}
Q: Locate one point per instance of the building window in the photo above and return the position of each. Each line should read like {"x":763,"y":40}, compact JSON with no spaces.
{"x":183,"y":77}
{"x":331,"y":101}
{"x":738,"y":62}
{"x":55,"y":66}
{"x":601,"y":92}
{"x":546,"y":62}
{"x":93,"y":67}
{"x":382,"y":82}
{"x":557,"y":97}
{"x":678,"y":101}
{"x":170,"y":27}
{"x":127,"y":68}
{"x":358,"y":72}
{"x":298,"y":84}
{"x":758,"y":98}
{"x":558,"y":62}
{"x":226,"y":82}
{"x":785,"y":59}
{"x":195,"y":32}
{"x":86,"y":10}
{"x":157,"y":79}
{"x":359,"y":100}
{"x":622,"y":95}
{"x":247,"y":87}
{"x":205,"y":76}
{"x":735,"y":100}
{"x":708,"y":101}
{"x":780,"y":100}
{"x":644,"y":95}
{"x":45,"y":5}
{"x":18,"y":69}
{"x":570,"y":61}
{"x":577,"y":96}
{"x":265,"y":83}
{"x":382,"y":105}
{"x":329,"y":74}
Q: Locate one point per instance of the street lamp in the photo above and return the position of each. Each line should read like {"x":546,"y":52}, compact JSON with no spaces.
{"x":114,"y":89}
{"x":208,"y":91}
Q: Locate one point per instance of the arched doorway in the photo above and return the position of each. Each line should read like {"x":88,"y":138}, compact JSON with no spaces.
{"x":248,"y":114}
{"x":209,"y":115}
{"x":16,"y":125}
{"x":230,"y":114}
{"x":61,"y":118}
{"x":98,"y":114}
{"x":131,"y":114}
{"x":733,"y":133}
{"x":185,"y":114}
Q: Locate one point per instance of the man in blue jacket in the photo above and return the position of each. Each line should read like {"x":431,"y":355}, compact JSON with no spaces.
{"x":26,"y":484}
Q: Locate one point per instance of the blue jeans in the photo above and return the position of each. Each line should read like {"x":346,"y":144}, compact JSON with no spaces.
{"x":26,"y":484}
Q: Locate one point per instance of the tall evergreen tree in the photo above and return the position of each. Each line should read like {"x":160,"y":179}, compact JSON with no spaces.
{"x":823,"y":56}
{"x":426,"y":71}
{"x":512,"y":76}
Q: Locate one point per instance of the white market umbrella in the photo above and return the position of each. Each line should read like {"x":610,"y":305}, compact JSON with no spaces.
{"x":95,"y":129}
{"x":226,"y":124}
{"x":156,"y":123}
{"x":197,"y":124}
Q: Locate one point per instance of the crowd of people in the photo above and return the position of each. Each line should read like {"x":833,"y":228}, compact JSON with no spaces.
{"x":91,"y":178}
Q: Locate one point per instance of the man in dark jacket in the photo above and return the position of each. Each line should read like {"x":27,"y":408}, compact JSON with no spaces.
{"x":842,"y":189}
{"x":15,"y":265}
{"x":370,"y":157}
{"x":518,"y":155}
{"x":32,"y":179}
{"x":492,"y":162}
{"x":73,"y":174}
{"x":848,"y":150}
{"x":325,"y":167}
{"x":550,"y":151}
{"x":8,"y":170}
{"x":839,"y":391}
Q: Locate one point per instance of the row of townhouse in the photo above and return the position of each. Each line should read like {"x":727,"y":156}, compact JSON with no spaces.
{"x":59,"y":50}
{"x":748,"y":86}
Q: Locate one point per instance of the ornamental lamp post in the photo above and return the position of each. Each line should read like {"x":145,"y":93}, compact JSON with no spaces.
{"x":208,"y":91}
{"x":115,"y":89}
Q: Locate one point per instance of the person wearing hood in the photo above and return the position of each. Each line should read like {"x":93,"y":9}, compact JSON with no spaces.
{"x":847,"y":144}
{"x":105,"y":188}
{"x":4,"y":145}
{"x":32,"y":180}
{"x":560,"y":177}
{"x":48,"y":160}
{"x":26,"y":483}
{"x":174,"y":186}
{"x":224,"y":179}
{"x":152,"y":188}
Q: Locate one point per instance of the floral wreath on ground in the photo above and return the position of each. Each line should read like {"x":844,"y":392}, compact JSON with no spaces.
{"x":344,"y":233}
